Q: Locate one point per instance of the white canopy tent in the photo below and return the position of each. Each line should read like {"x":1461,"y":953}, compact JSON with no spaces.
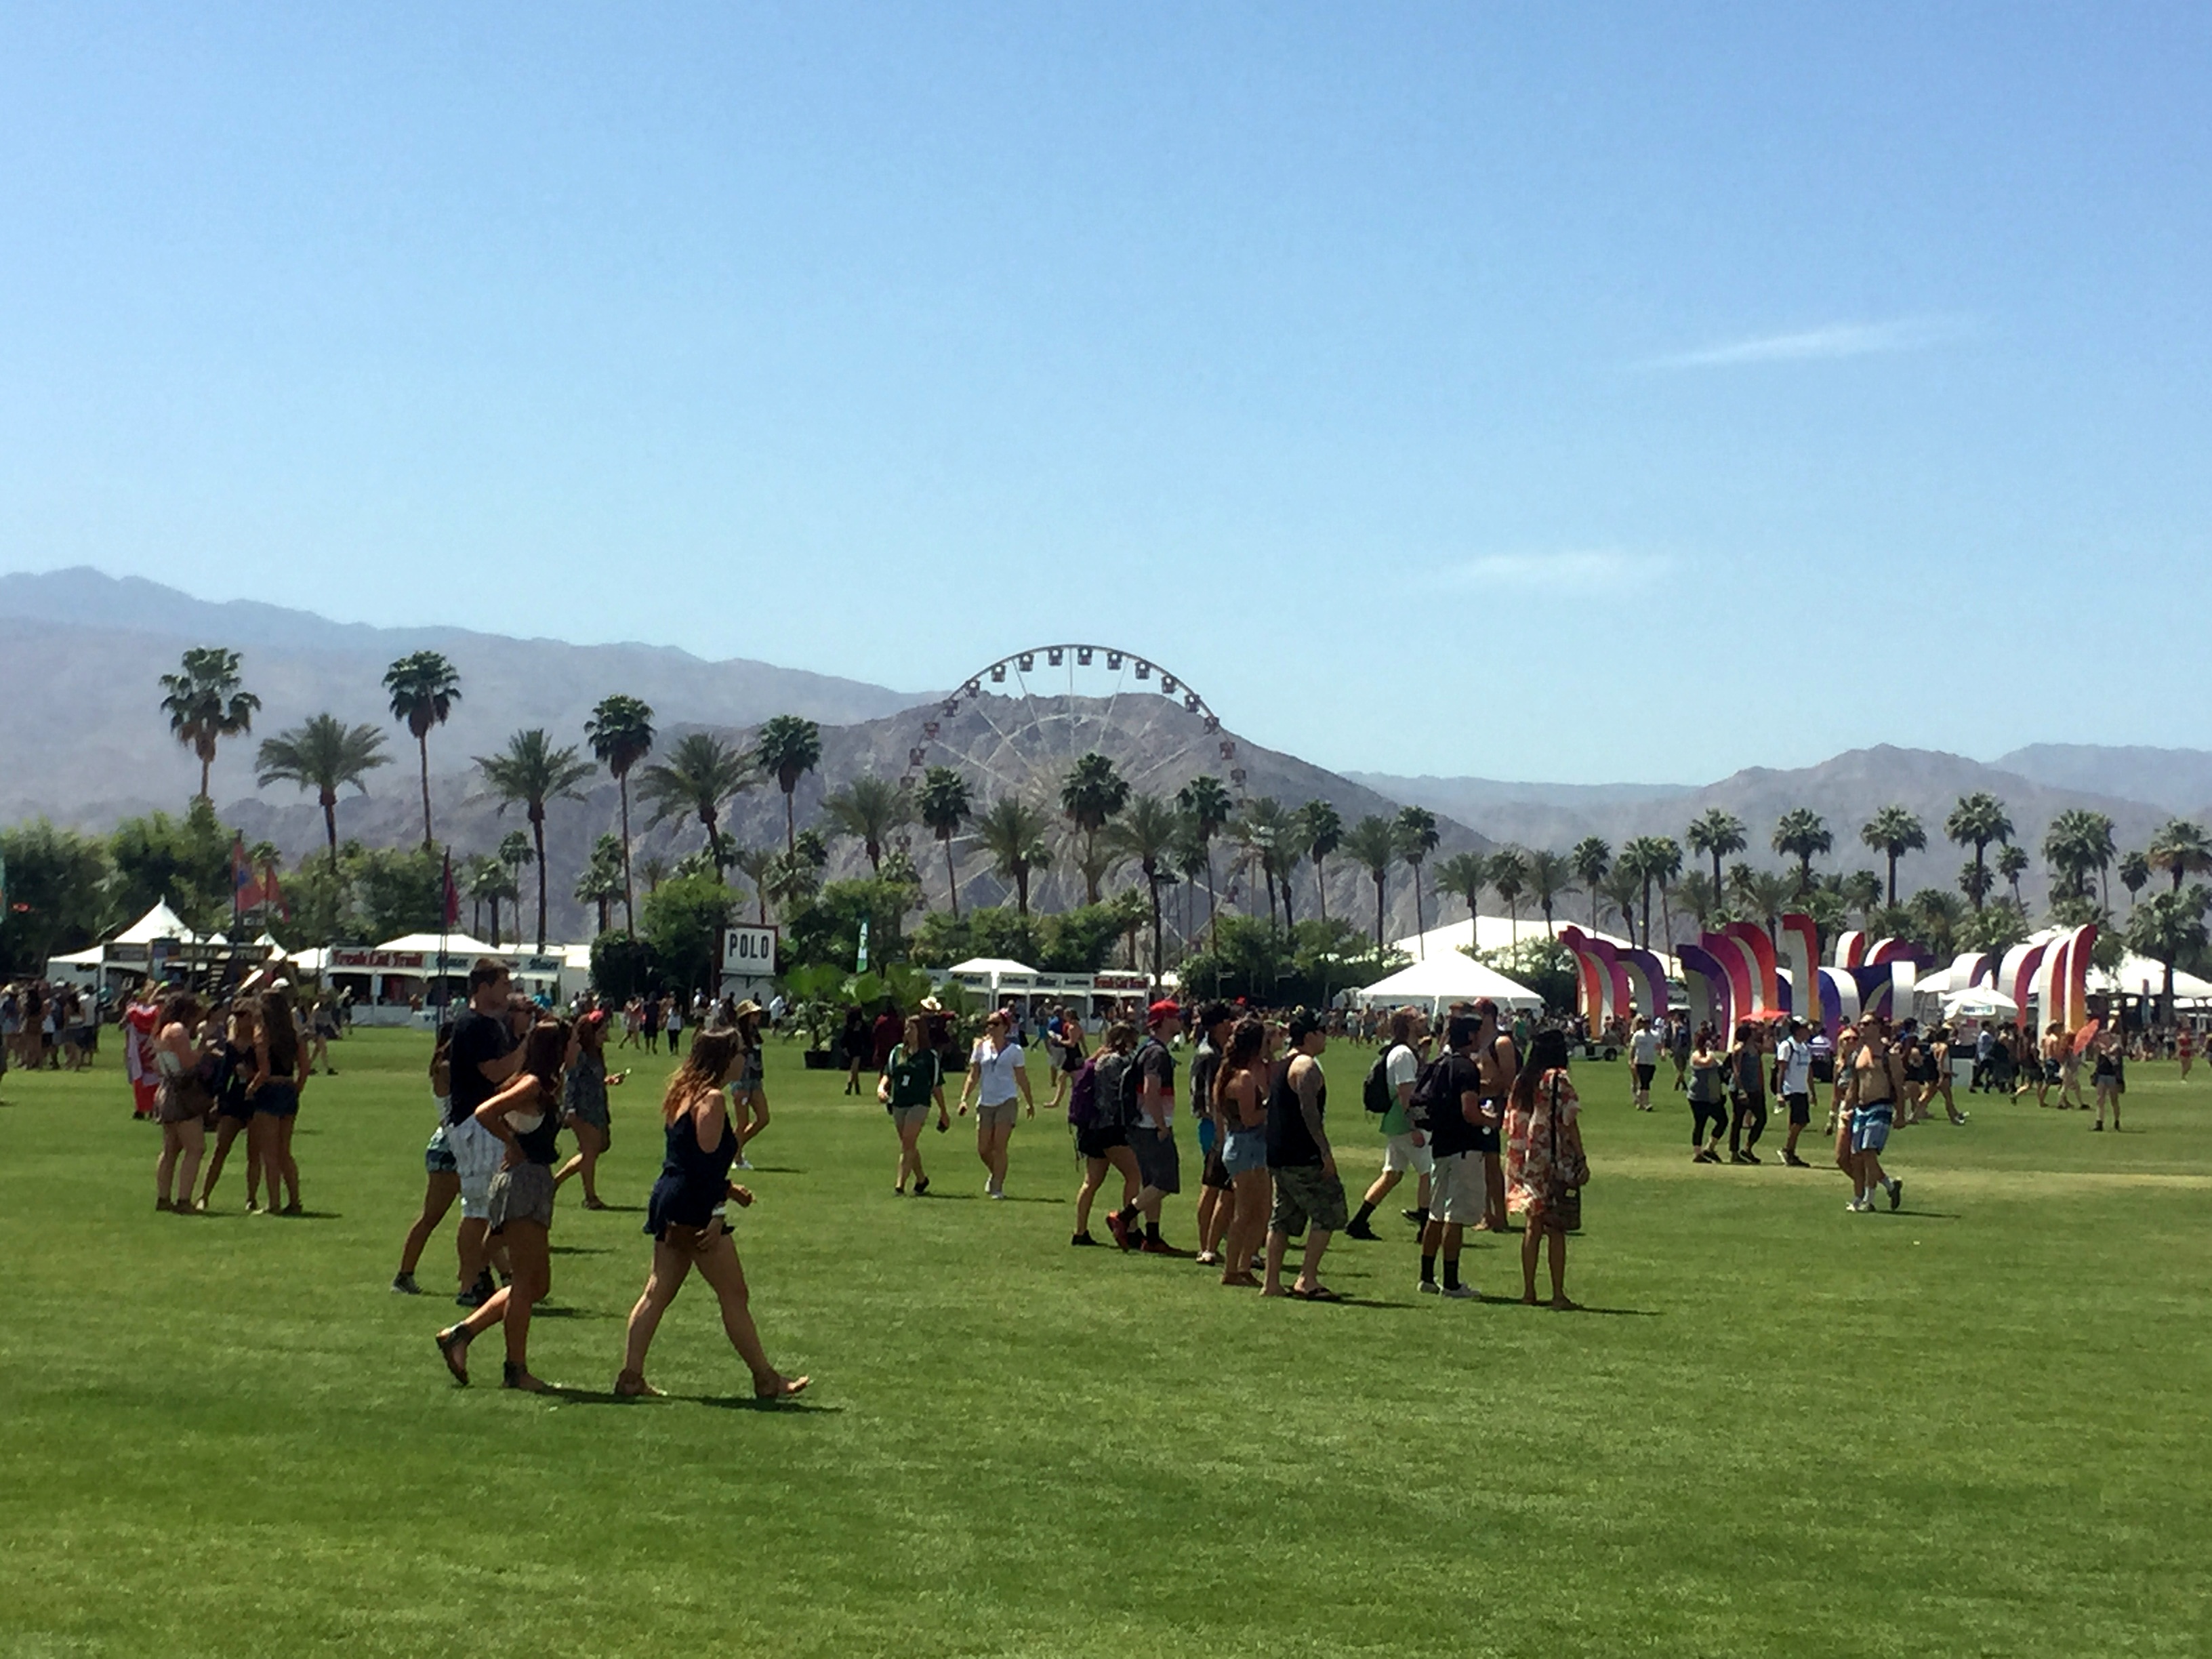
{"x":1445,"y":978}
{"x":994,"y":974}
{"x":1502,"y":933}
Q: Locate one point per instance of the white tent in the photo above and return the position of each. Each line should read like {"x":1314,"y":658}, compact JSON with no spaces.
{"x":1445,"y":978}
{"x":2142,"y":977}
{"x":1501,"y":933}
{"x":991,"y":973}
{"x":159,"y":922}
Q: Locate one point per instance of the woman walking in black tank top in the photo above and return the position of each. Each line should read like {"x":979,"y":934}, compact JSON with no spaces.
{"x":685,"y":1216}
{"x":275,"y":1092}
{"x":526,"y":1116}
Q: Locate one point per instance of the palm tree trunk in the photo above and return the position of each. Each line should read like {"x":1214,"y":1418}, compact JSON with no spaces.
{"x":1419,"y":931}
{"x":1893,"y":881}
{"x":707,"y":815}
{"x":1321,"y":888}
{"x":1209,"y":889}
{"x":1152,"y":881}
{"x":952,"y":879}
{"x":1513,"y":921}
{"x":207,"y":759}
{"x":1665,"y":920}
{"x":422,"y":745}
{"x":630,"y":897}
{"x":537,"y":834}
{"x":791,"y":819}
{"x":1378,"y":912}
{"x":1717,"y":875}
{"x":495,"y":922}
{"x":1289,"y":922}
{"x":1647,"y":913}
{"x":1022,"y":889}
{"x":330,"y":825}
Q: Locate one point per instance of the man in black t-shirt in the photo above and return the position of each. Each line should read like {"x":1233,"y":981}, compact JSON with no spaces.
{"x":485,"y":1053}
{"x":1151,"y":1131}
{"x":1458,"y":1126}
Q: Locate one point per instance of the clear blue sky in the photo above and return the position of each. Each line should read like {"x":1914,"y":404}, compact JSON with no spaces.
{"x":1512,"y":390}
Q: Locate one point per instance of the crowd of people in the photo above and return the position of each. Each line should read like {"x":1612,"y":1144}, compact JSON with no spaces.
{"x":44,"y":1025}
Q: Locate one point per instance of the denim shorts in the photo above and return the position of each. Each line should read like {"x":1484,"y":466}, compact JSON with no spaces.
{"x":278,"y":1100}
{"x":1244,"y":1150}
{"x":1869,"y":1130}
{"x":437,"y":1156}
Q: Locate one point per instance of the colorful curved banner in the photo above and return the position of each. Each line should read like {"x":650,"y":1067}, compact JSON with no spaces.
{"x":1589,"y":973}
{"x":1705,"y":977}
{"x":1850,"y":949}
{"x":1647,"y":983}
{"x":2016,"y":978}
{"x":1839,"y":1000}
{"x":1760,"y":949}
{"x":1799,"y":952}
{"x":1735,"y":959}
{"x":2063,"y":984}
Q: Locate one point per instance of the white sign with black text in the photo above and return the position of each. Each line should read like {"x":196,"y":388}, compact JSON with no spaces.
{"x":748,"y":952}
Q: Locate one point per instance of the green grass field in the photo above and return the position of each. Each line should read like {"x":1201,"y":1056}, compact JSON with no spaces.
{"x":1979,"y":1427}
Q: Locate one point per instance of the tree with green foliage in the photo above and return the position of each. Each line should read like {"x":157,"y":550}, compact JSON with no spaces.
{"x":1976,"y":820}
{"x":2077,"y":843}
{"x":868,"y":809}
{"x":1592,"y":858}
{"x":2012,"y":864}
{"x":602,"y":881}
{"x":1464,"y":875}
{"x":1508,"y":879}
{"x":2168,"y":928}
{"x":1937,"y":915}
{"x":1861,"y":892}
{"x":700,"y":774}
{"x":788,"y":748}
{"x":1145,"y":833}
{"x":490,"y":882}
{"x":945,"y":804}
{"x":1893,"y":832}
{"x":1542,"y":964}
{"x":1653,"y":860}
{"x":1209,"y":806}
{"x":1012,"y":833}
{"x":1320,"y":832}
{"x":1417,"y":839}
{"x":2135,"y":875}
{"x":1091,"y":793}
{"x":185,"y":861}
{"x":683,"y":920}
{"x":532,"y":771}
{"x":756,"y":864}
{"x":1551,"y":877}
{"x":324,"y":755}
{"x":1715,"y":834}
{"x":1802,"y":834}
{"x":205,"y":703}
{"x":1996,"y":928}
{"x":53,"y":892}
{"x":2181,"y":849}
{"x":621,"y":734}
{"x":1373,"y":843}
{"x":1263,"y":829}
{"x":423,"y":687}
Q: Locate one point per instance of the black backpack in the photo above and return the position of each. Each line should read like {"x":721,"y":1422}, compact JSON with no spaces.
{"x":1375,"y":1094}
{"x":1116,"y":1097}
{"x":1435,"y":1094}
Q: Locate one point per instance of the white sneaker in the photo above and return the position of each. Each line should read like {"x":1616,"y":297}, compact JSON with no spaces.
{"x":1462,"y":1292}
{"x":1427,"y":1287}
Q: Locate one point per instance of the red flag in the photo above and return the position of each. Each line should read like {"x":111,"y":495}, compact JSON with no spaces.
{"x":452,"y":894}
{"x":272,"y":894}
{"x":247,"y":890}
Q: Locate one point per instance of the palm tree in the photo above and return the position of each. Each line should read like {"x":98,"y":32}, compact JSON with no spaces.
{"x":1208,"y":806}
{"x":514,"y":855}
{"x":1861,"y":890}
{"x":1265,"y":831}
{"x":788,"y":748}
{"x":1089,"y":796}
{"x":1464,"y":875}
{"x":1591,"y":859}
{"x":1619,"y":890}
{"x":620,"y":732}
{"x":1374,"y":843}
{"x":1893,"y":832}
{"x":945,"y":805}
{"x":531,"y":770}
{"x":2012,"y":865}
{"x":2181,"y":849}
{"x":1192,"y":859}
{"x":756,"y":864}
{"x":1319,"y":833}
{"x":868,"y":809}
{"x":424,"y":688}
{"x":1665,"y":855}
{"x":700,"y":774}
{"x":1651,"y":858}
{"x":654,"y":869}
{"x":1937,"y":915}
{"x":601,"y":882}
{"x":1146,"y":834}
{"x":1550,"y":877}
{"x":1012,"y":833}
{"x":790,"y":879}
{"x":2169,"y":926}
{"x":1417,"y":839}
{"x":1715,"y":834}
{"x":2135,"y":875}
{"x":1694,"y":892}
{"x":1976,"y":882}
{"x":1802,"y":834}
{"x":204,"y":704}
{"x":1509,"y":878}
{"x":2077,"y":842}
{"x":324,"y":755}
{"x":490,"y":881}
{"x":1975,"y":822}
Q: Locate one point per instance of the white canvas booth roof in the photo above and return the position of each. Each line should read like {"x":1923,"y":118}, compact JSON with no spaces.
{"x":1444,"y":979}
{"x":387,"y":979}
{"x":998,"y":978}
{"x":140,"y":950}
{"x":1503,"y":933}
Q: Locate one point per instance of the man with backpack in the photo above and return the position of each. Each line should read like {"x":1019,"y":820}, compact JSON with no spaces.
{"x":1102,"y":1138}
{"x":1388,"y":1093}
{"x":1451,"y":1102}
{"x":1150,"y":1089}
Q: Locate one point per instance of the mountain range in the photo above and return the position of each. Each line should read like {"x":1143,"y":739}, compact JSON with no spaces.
{"x":81,"y":741}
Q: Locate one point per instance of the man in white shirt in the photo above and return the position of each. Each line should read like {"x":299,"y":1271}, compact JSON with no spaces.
{"x":997,"y":1072}
{"x":1793,"y":1075}
{"x":1644,"y":1046}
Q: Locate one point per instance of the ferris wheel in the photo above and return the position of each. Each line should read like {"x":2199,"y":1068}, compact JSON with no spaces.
{"x":1015,"y":726}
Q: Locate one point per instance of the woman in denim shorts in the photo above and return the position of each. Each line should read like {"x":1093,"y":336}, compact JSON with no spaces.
{"x":747,"y":1097}
{"x":1240,"y":1091}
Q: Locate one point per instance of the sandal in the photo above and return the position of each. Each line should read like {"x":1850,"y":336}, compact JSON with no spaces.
{"x":632,"y":1385}
{"x":511,"y":1376}
{"x":453,"y":1344}
{"x":1319,"y":1293}
{"x":783,"y":1388}
{"x":1240,"y":1281}
{"x":595,"y":1204}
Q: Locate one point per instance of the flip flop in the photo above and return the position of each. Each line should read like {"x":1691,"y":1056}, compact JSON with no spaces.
{"x":449,"y":1341}
{"x":1319,"y":1293}
{"x":785,"y":1390}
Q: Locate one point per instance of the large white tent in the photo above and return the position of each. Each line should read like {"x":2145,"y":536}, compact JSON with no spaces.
{"x":1446,"y":977}
{"x":1501,"y":933}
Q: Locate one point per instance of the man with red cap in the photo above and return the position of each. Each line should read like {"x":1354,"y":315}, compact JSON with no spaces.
{"x":1152,"y":1132}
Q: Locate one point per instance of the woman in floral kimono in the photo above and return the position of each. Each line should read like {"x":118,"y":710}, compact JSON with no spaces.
{"x":1544,"y":1169}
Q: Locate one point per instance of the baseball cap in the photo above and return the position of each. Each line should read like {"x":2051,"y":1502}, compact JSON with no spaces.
{"x":1164,"y":1008}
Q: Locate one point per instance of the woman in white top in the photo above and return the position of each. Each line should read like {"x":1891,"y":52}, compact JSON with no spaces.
{"x":998,"y":1071}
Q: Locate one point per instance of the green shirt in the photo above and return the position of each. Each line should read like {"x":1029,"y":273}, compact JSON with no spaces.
{"x":915,"y":1077}
{"x":1405,"y":1066}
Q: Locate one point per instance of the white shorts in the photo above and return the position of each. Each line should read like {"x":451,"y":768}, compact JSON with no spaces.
{"x":478,"y":1154}
{"x":1399,"y":1153}
{"x":1459,"y":1196}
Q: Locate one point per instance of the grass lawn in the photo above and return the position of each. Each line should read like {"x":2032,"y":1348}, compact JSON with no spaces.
{"x":1978,"y":1426}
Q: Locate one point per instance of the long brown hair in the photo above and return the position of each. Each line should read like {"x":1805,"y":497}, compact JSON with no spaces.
{"x":280,"y":1028}
{"x":544,"y":1051}
{"x":703,"y":1071}
{"x":1247,"y":1042}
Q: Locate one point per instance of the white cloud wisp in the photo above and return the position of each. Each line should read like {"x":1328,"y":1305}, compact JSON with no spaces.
{"x":1828,"y":343}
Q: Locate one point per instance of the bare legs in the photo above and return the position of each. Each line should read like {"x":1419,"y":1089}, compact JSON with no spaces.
{"x":590,"y":1144}
{"x":227,"y":1131}
{"x":278,"y":1161}
{"x":186,"y":1141}
{"x":991,"y":1140}
{"x":1094,"y":1178}
{"x":1532,"y":1239}
{"x":1253,"y":1196}
{"x":438,"y":1192}
{"x":1309,"y":1279}
{"x":909,"y":1161}
{"x":716,"y":1258}
{"x":512,"y":1305}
